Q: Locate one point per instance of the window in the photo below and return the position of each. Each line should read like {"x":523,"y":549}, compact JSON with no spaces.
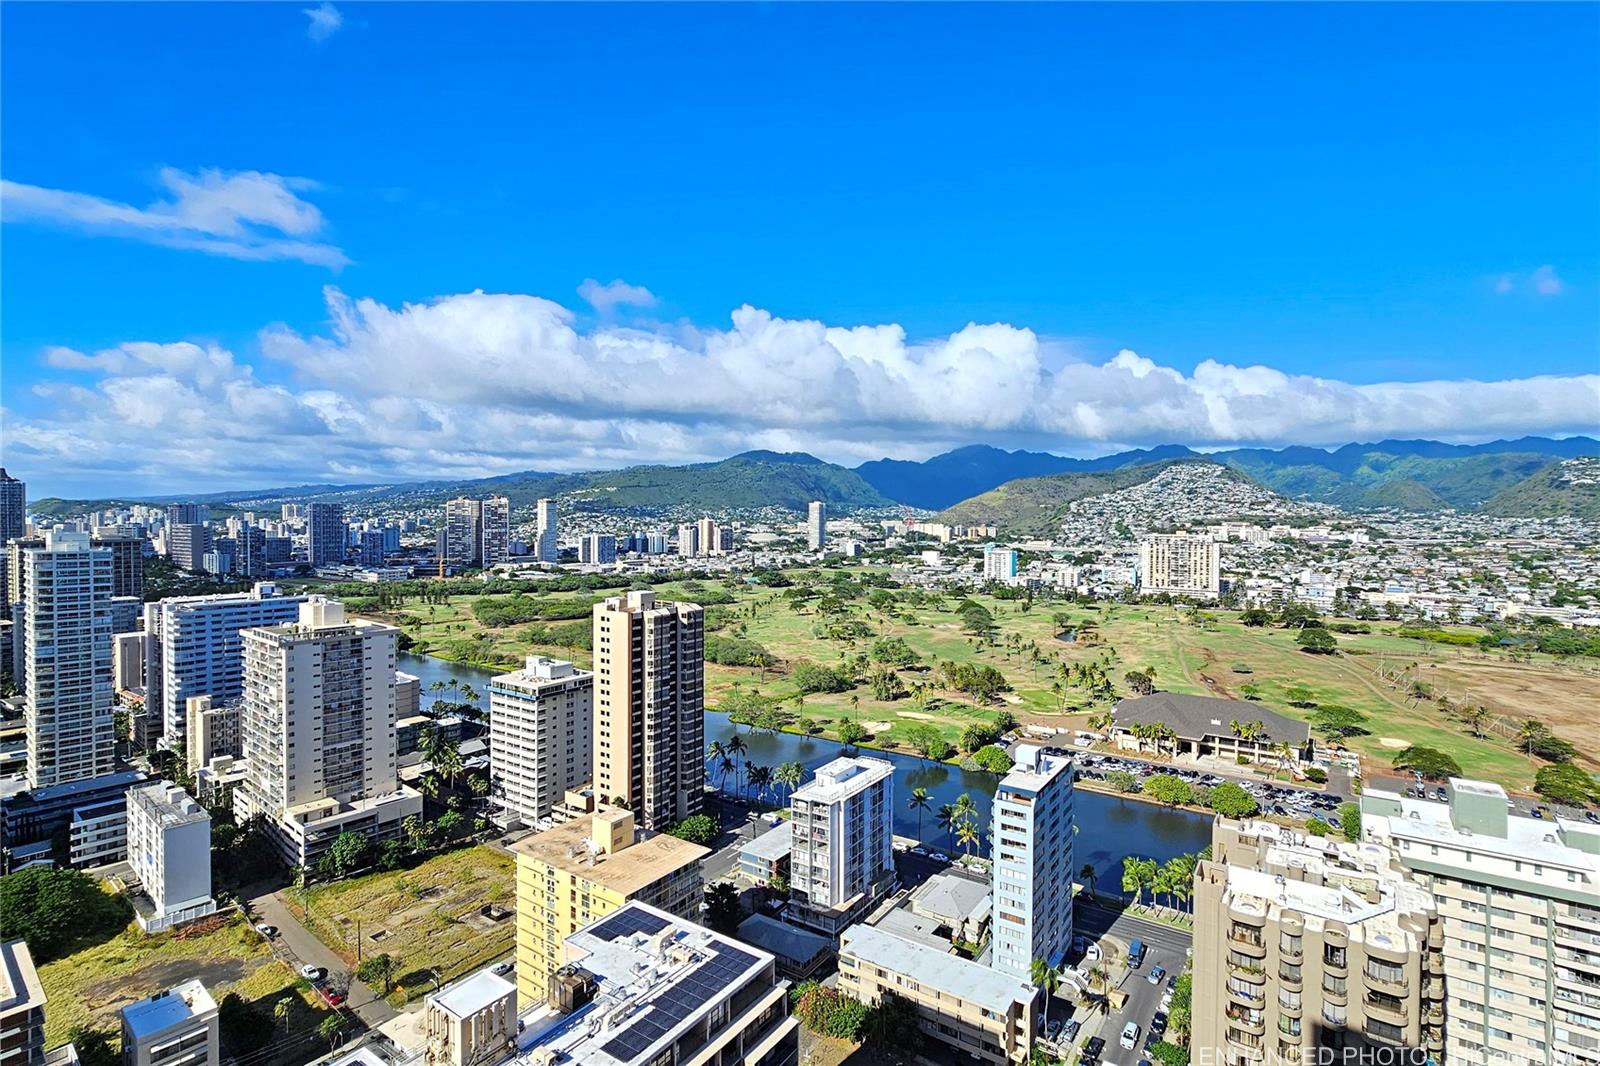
{"x":1333,"y":956}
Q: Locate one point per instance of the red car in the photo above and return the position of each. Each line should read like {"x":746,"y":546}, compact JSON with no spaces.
{"x":329,"y":996}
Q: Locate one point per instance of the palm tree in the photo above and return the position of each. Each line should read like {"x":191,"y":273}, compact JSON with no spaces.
{"x":760,"y":777}
{"x":1530,"y":734}
{"x":919,"y":803}
{"x":1048,"y":978}
{"x":1475,"y":716}
{"x":282,"y":1009}
{"x":788,"y":776}
{"x":966,"y":810}
{"x":968,"y":836}
{"x":717,"y":754}
{"x":736,"y":747}
{"x":1131,"y":881}
{"x":948,"y":819}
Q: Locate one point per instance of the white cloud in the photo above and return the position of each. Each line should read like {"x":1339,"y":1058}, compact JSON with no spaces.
{"x":614,"y":294}
{"x":241,"y":215}
{"x":477,"y":384}
{"x":324,"y":21}
{"x":1546,"y":282}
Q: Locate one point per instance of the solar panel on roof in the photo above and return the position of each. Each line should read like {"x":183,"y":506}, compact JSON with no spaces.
{"x":628,"y":922}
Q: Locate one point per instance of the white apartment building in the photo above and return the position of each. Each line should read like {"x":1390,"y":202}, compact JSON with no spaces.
{"x":463,"y":531}
{"x":688,"y":540}
{"x":169,"y":848}
{"x":999,"y":564}
{"x":472,"y":1022}
{"x":842,"y":858}
{"x":194,"y":648}
{"x":22,"y":1002}
{"x":177,"y":1027}
{"x":1520,"y":902}
{"x":66,"y":649}
{"x":817,"y":525}
{"x":541,"y":736}
{"x":1031,"y":835}
{"x":319,"y":731}
{"x":1188,"y":564}
{"x":547,"y":548}
{"x":494,"y":535}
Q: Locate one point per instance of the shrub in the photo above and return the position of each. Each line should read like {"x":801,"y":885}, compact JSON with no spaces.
{"x":50,"y":908}
{"x":1318,"y":828}
{"x":1350,"y":821}
{"x":1169,"y":789}
{"x":1231,"y":801}
{"x":811,"y":677}
{"x":1316,"y":774}
{"x":992,"y":758}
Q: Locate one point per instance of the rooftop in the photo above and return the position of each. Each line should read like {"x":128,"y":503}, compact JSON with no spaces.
{"x":844,"y":777}
{"x":970,"y":981}
{"x":538,"y":671}
{"x":657,"y":977}
{"x":163,"y":1010}
{"x":166,"y":803}
{"x":1196,"y":717}
{"x":775,"y":843}
{"x":1034,"y":769}
{"x":472,"y":994}
{"x":640,"y":864}
{"x":949,"y":895}
{"x":19,"y":981}
{"x":786,"y":941}
{"x":1545,"y":840}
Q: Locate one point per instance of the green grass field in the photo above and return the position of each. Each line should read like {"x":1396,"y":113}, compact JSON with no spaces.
{"x":427,"y":918}
{"x":89,"y":986}
{"x":1373,"y":673}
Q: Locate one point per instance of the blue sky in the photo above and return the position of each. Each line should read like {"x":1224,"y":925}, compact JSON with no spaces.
{"x":1295,"y":208}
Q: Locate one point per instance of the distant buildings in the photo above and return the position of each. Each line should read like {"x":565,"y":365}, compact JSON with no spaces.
{"x":1520,"y":902}
{"x":1031,"y":836}
{"x":177,"y":1027}
{"x":1184,"y":564}
{"x":649,"y":726}
{"x":194,"y":648}
{"x":463,"y":529}
{"x":66,"y":635}
{"x":1204,"y":727}
{"x":186,"y":514}
{"x":169,"y":848}
{"x":1303,"y":943}
{"x":327,"y":535}
{"x":188,"y":545}
{"x":583,"y":870}
{"x":842,"y":857}
{"x":597,"y":548}
{"x":127,"y":562}
{"x":319,"y":732}
{"x":999,"y":564}
{"x":816,"y":525}
{"x":541,"y":736}
{"x":546,"y":546}
{"x":13,"y":508}
{"x":688,"y":541}
{"x":494,"y":536}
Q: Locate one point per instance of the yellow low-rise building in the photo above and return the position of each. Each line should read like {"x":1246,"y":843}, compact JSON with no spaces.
{"x":583,"y":870}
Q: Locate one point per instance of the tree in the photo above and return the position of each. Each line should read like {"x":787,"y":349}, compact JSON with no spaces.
{"x":1350,"y":821}
{"x":1169,"y":789}
{"x":1131,"y":881}
{"x":927,"y":741}
{"x":1256,"y":617}
{"x":1300,"y":696}
{"x":977,"y":735}
{"x":331,"y":1027}
{"x":722,"y":900}
{"x":346,"y":853}
{"x":1431,"y":763}
{"x":1317,"y":827}
{"x":1338,"y":723}
{"x":852,"y":733}
{"x":788,"y":776}
{"x":1139,"y":683}
{"x":50,"y":908}
{"x":93,"y":1046}
{"x":1475,"y":716}
{"x":1048,"y":978}
{"x":378,"y":971}
{"x":993,"y":758}
{"x":1122,"y":781}
{"x":1230,"y":800}
{"x":919,"y":802}
{"x":886,"y":685}
{"x":1566,"y":783}
{"x":1317,"y":641}
{"x":282,"y":1009}
{"x":697,"y":829}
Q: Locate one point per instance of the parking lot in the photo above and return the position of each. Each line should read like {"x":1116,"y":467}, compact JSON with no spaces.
{"x":1110,"y":932}
{"x":1284,"y":800}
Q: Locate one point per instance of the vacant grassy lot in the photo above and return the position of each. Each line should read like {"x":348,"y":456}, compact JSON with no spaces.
{"x":1374,"y":673}
{"x":428,"y":917}
{"x":88,"y":987}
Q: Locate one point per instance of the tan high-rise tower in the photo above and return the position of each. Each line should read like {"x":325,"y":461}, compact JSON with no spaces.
{"x":649,"y":692}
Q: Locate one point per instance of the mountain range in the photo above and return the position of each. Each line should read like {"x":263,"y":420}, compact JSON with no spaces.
{"x":1516,"y":477}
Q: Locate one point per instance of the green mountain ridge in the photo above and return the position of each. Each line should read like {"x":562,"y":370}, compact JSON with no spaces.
{"x":1033,"y":505}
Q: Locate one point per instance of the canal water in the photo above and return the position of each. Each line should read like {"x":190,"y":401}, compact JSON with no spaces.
{"x":1109,"y":828}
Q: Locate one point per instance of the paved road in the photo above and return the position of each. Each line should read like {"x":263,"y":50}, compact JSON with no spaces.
{"x":295,"y":945}
{"x":1164,"y":946}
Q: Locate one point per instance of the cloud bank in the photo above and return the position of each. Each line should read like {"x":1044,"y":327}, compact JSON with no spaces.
{"x":477,"y":384}
{"x":241,"y":215}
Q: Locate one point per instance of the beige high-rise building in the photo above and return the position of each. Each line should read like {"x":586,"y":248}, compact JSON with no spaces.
{"x":1304,"y":943}
{"x":494,"y":532}
{"x":817,"y":525}
{"x":541,"y":737}
{"x":213,"y":729}
{"x":1188,"y":564}
{"x":1520,"y":901}
{"x":584,"y":869}
{"x":463,"y":531}
{"x":649,"y":707}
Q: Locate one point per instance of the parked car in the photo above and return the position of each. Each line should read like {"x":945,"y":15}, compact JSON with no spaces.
{"x":1070,"y":1033}
{"x":1130,"y":1035}
{"x":503,"y":968}
{"x":1592,"y":816}
{"x":1158,"y":1023}
{"x":1092,"y":1050}
{"x":939,"y":856}
{"x":1440,"y":794}
{"x":268,"y":931}
{"x":1091,"y":953}
{"x":919,"y":850}
{"x":1052,"y":1029}
{"x":310,"y":972}
{"x":1156,"y":974}
{"x":331,"y":997}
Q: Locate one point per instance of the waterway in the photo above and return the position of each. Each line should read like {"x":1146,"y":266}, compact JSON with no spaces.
{"x":1109,"y":828}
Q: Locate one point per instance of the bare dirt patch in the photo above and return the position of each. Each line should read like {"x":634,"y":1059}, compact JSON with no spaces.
{"x":1394,"y":742}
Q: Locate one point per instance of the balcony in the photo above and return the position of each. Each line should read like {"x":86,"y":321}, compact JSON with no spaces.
{"x":1248,"y":940}
{"x":1254,"y":995}
{"x":1241,"y":1017}
{"x":1393,"y":986}
{"x":1387,"y":1008}
{"x":1248,"y":972}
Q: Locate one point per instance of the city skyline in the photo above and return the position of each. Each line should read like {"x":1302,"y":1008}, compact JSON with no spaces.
{"x":263,"y":299}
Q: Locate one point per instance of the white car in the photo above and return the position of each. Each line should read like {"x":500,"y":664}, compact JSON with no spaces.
{"x":1091,"y":953}
{"x":310,"y":972}
{"x":898,"y":846}
{"x":939,"y":856}
{"x":1130,"y":1035}
{"x":268,"y":931}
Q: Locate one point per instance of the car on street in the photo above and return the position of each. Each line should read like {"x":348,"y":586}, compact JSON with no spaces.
{"x":1130,"y":1035}
{"x":503,"y":968}
{"x":1592,"y":816}
{"x":1070,"y":1033}
{"x":1092,"y":1050}
{"x":268,"y":931}
{"x":310,"y":972}
{"x":919,"y":850}
{"x":1144,"y":1062}
{"x":1091,"y":953}
{"x":1172,"y":983}
{"x":939,"y":856}
{"x":1157,"y":973}
{"x":332,"y":997}
{"x":1158,"y":1024}
{"x":1166,"y":1001}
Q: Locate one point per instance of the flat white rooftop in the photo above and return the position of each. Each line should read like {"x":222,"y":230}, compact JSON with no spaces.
{"x":162,"y":1011}
{"x":970,"y":981}
{"x":472,"y":994}
{"x":844,"y":777}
